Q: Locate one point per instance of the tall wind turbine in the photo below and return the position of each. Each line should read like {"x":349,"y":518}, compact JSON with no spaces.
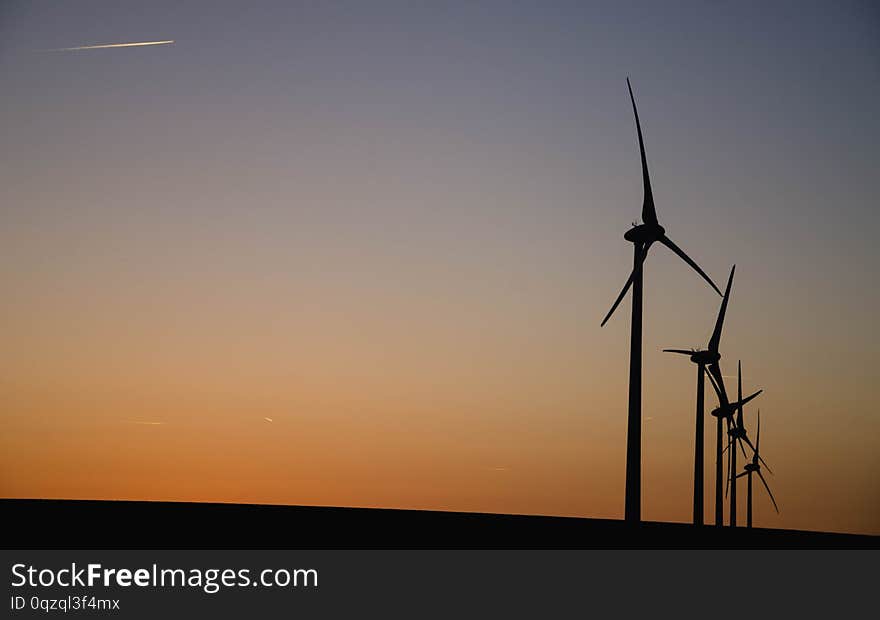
{"x":702,"y":359}
{"x":755,"y":468}
{"x":725,"y":411}
{"x":642,"y":236}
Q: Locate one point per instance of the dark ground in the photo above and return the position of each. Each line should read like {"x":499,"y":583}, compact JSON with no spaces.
{"x":73,"y":524}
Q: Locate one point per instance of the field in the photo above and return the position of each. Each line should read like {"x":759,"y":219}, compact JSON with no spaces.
{"x":68,"y":524}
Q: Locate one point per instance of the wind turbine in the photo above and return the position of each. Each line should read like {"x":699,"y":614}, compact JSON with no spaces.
{"x":702,"y":359}
{"x":755,"y":468}
{"x":738,"y":434}
{"x":642,"y":236}
{"x":725,"y":411}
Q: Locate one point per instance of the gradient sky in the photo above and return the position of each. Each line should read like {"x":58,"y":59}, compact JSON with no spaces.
{"x":393,"y":228}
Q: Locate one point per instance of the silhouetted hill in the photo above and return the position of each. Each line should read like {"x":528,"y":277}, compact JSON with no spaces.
{"x":67,"y":524}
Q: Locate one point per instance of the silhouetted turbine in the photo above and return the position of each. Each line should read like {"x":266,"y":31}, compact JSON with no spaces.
{"x":642,"y":236}
{"x":702,"y":359}
{"x":738,"y":430}
{"x":755,"y":468}
{"x":738,"y":436}
{"x":726,"y":411}
{"x":736,"y":433}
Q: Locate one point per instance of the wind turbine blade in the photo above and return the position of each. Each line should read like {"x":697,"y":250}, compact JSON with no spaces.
{"x":739,"y":382}
{"x":758,"y":436}
{"x":739,"y":394}
{"x":742,"y":402}
{"x":729,"y":459}
{"x":769,"y":492}
{"x":669,"y":244}
{"x":629,"y":282}
{"x":680,"y":351}
{"x":745,"y":473}
{"x":712,"y":380}
{"x":742,"y":448}
{"x":649,"y":213}
{"x":714,"y":372}
{"x":715,"y":340}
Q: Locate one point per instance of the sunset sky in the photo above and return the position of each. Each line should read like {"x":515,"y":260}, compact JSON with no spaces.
{"x":393,"y":228}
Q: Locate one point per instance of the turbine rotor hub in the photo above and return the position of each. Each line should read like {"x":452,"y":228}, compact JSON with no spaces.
{"x":722,"y":412}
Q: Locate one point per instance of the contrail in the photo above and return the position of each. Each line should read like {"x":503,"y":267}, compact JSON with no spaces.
{"x":109,"y":45}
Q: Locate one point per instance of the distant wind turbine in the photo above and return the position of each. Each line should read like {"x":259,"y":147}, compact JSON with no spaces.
{"x":725,"y":411}
{"x":702,"y":359}
{"x":738,"y":435}
{"x":642,"y":236}
{"x":755,"y":468}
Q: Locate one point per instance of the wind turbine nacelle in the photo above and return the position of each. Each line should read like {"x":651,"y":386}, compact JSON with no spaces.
{"x":723,"y":412}
{"x":705,"y":357}
{"x":750,"y":467}
{"x":643,"y":233}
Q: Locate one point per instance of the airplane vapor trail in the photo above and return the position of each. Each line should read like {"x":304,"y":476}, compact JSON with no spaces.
{"x":110,"y":45}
